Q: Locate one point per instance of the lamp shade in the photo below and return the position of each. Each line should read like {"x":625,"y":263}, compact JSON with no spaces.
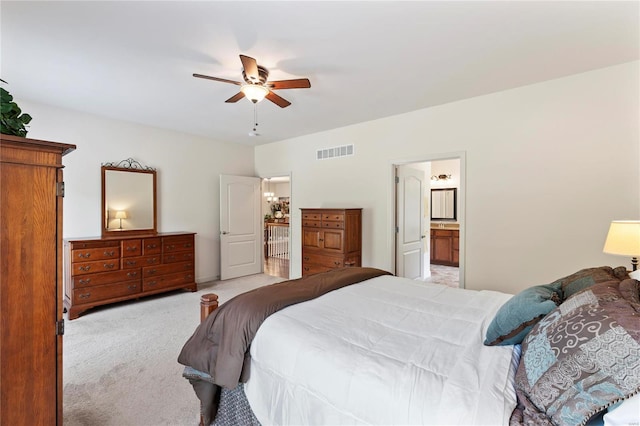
{"x":623,"y":238}
{"x":254,"y":92}
{"x":121,"y":214}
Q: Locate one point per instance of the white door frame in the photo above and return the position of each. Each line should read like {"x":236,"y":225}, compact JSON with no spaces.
{"x":391,"y":204}
{"x":291,"y":228}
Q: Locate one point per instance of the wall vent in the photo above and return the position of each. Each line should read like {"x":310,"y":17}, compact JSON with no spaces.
{"x":337,"y":151}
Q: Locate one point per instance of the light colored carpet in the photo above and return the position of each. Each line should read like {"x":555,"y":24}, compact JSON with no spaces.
{"x":120,"y":361}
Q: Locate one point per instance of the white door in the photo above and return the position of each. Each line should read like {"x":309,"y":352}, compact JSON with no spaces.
{"x":410,"y":224}
{"x":240,"y":226}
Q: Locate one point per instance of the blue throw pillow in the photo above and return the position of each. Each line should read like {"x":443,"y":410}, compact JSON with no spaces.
{"x":518,"y":315}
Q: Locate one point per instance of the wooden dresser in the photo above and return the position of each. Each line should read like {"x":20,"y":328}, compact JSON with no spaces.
{"x":331,"y":238}
{"x":99,"y":271}
{"x":31,"y":191}
{"x":445,"y":247}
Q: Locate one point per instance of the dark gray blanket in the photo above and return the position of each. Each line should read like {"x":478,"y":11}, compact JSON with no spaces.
{"x":220,"y":345}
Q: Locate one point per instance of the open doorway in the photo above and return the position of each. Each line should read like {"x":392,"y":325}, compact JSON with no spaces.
{"x":275,"y":207}
{"x":429,"y":246}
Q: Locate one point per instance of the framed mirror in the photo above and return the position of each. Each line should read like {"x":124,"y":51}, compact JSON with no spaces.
{"x":444,"y":204}
{"x":128,"y":199}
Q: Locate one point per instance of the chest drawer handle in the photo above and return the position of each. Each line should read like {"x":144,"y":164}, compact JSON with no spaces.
{"x":109,"y":265}
{"x":87,"y":281}
{"x":320,"y":239}
{"x":84,"y":268}
{"x":171,"y":257}
{"x":152,"y":271}
{"x":109,"y":253}
{"x":131,"y":262}
{"x":132,"y":248}
{"x":152,"y":283}
{"x":84,"y":255}
{"x":132,"y":274}
{"x":306,"y":258}
{"x":150,"y":246}
{"x":132,"y":287}
{"x":152,"y":260}
{"x":306,"y":268}
{"x":337,"y":263}
{"x":187,"y":245}
{"x":351,"y":263}
{"x":171,"y":247}
{"x":84,"y":296}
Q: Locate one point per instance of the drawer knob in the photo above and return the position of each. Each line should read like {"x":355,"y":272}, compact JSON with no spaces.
{"x":109,"y":265}
{"x":306,"y":258}
{"x":109,"y":253}
{"x":152,"y":271}
{"x":152,"y":283}
{"x":84,"y":268}
{"x":150,"y":246}
{"x":84,"y":255}
{"x":337,"y":263}
{"x":131,"y":262}
{"x":132,"y":248}
{"x":87,"y":281}
{"x":84,"y":296}
{"x":132,"y":287}
{"x":152,"y":260}
{"x":132,"y":274}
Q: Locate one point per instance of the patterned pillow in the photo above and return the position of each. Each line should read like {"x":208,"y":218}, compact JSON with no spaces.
{"x":518,"y":315}
{"x":582,"y":357}
{"x":587,"y":277}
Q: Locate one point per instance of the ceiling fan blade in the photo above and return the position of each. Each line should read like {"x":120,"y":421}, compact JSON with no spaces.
{"x":299,"y":83}
{"x":281,"y":102}
{"x":224,"y":80}
{"x":236,"y":97}
{"x":250,"y":68}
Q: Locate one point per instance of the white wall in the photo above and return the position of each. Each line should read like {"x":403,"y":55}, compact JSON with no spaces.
{"x":548,"y":166}
{"x":188,"y":169}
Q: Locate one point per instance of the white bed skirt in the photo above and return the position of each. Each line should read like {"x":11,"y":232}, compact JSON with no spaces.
{"x":388,"y":351}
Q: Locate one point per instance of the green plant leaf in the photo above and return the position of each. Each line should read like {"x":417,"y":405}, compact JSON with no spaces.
{"x":26,"y":118}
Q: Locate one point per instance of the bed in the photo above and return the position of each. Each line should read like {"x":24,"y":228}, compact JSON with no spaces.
{"x":360,"y":346}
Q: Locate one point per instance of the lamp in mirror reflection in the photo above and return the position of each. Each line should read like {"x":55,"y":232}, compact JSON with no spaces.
{"x":270,"y":196}
{"x":624,"y":239}
{"x":121,"y":214}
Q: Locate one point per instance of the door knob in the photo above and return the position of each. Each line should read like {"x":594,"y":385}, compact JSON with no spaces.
{"x":422,"y":236}
{"x":224,"y":232}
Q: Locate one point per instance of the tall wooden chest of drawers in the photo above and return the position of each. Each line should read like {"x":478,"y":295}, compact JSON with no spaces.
{"x":100,"y":271}
{"x":331,"y":239}
{"x":31,"y":197}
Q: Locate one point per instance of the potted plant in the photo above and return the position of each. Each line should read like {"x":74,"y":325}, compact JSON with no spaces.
{"x":12,"y":120}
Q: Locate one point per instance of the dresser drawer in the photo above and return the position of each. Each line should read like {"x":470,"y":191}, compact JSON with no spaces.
{"x":102,"y":292}
{"x":332,"y":225}
{"x":165,"y":281}
{"x":153,"y":271}
{"x":311,"y":216}
{"x":320,"y":260}
{"x":173,"y":244}
{"x":151,"y":246}
{"x":314,"y":269}
{"x":311,"y":223}
{"x":82,"y":281}
{"x":84,"y":255}
{"x":79,"y":245}
{"x":177,"y":257}
{"x":131,"y":248}
{"x":80,"y":268}
{"x":333,"y":217}
{"x":138,"y":262}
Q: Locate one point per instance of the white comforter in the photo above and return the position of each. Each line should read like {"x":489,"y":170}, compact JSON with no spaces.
{"x":386,"y":351}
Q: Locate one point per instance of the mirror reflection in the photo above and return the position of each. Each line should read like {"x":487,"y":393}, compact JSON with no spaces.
{"x":444,"y":204}
{"x":128,"y":199}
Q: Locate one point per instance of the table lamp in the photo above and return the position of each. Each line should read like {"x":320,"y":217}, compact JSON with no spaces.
{"x":121,"y":214}
{"x":624,"y":239}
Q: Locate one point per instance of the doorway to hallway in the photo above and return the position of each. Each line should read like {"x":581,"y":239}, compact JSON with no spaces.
{"x":275,"y":208}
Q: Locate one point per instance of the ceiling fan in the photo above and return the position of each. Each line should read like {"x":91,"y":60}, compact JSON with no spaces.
{"x":256,"y":86}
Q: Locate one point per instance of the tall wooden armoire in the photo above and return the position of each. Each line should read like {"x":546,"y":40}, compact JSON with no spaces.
{"x":31,"y":324}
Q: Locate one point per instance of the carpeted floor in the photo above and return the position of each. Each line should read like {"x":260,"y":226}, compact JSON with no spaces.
{"x":120,"y":363}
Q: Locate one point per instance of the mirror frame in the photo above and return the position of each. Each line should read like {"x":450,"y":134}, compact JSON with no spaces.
{"x":128,"y":165}
{"x":455,"y":204}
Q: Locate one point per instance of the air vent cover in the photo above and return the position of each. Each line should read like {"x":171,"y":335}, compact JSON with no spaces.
{"x":337,"y":151}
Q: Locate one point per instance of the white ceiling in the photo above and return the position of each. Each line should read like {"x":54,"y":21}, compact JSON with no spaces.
{"x":366,"y":60}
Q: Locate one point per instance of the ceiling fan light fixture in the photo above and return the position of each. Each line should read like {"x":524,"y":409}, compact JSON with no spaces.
{"x":254,"y":92}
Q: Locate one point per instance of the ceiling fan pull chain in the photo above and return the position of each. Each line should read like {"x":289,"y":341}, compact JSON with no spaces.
{"x":255,"y":117}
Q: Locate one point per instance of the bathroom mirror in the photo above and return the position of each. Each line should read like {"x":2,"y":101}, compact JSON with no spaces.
{"x":128,"y":199}
{"x":444,"y":204}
